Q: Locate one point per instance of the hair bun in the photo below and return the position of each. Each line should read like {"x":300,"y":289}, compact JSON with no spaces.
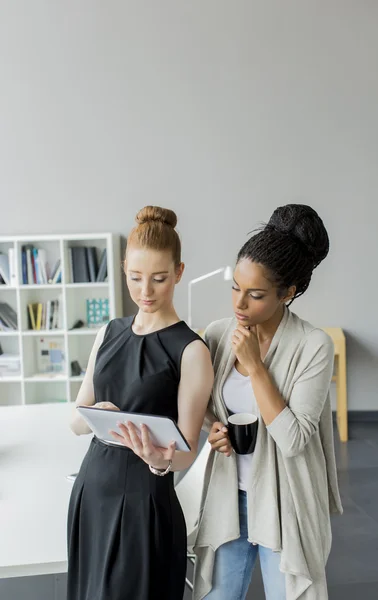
{"x":304,"y":224}
{"x":156,"y":213}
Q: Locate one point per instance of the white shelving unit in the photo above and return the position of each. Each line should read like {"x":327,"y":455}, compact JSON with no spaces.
{"x":31,"y":387}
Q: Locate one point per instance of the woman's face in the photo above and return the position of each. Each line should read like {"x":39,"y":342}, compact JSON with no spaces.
{"x":151,"y":277}
{"x":255,"y":299}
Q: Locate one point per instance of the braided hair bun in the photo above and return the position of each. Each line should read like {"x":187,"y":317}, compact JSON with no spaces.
{"x":304,"y":225}
{"x":290,"y":246}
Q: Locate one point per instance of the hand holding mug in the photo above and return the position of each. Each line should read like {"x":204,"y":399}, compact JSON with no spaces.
{"x":219,"y":440}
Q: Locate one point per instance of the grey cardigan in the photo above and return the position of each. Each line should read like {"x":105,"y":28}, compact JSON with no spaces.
{"x":293,"y":482}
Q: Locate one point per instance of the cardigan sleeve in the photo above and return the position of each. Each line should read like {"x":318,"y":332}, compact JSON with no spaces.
{"x":294,"y":426}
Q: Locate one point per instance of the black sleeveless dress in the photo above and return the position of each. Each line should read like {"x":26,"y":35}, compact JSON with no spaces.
{"x":126,"y":529}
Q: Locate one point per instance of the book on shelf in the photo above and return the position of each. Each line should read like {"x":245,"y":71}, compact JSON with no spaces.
{"x":45,"y":315}
{"x":8,"y":317}
{"x":92,"y":263}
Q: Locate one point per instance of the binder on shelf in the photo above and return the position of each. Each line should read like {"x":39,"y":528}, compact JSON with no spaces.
{"x":97,"y":312}
{"x":32,"y":316}
{"x":48,"y":314}
{"x":56,"y":320}
{"x":39,"y":316}
{"x":4,"y":268}
{"x":42,"y":264}
{"x":43,"y":320}
{"x":92,"y":263}
{"x":12,"y":267}
{"x":103,"y":270}
{"x":56,"y":272}
{"x":37,"y":278}
{"x":24,"y":267}
{"x":80,"y":264}
{"x":8,"y":316}
{"x":29,"y":264}
{"x":69,"y":275}
{"x":58,"y":275}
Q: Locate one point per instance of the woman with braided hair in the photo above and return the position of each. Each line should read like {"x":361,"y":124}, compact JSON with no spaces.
{"x":275,"y":502}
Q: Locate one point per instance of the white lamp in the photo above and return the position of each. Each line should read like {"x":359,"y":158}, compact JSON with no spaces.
{"x":227,"y":276}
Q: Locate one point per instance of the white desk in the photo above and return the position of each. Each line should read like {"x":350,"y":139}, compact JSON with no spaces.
{"x":37,"y":451}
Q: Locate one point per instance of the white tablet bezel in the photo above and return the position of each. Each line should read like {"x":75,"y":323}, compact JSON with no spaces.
{"x":163,"y":430}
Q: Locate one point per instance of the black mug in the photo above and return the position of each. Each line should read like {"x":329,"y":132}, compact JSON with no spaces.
{"x":242,"y":431}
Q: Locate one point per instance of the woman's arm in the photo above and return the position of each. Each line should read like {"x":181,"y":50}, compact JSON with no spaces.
{"x":86,"y":395}
{"x":292,"y":423}
{"x":294,"y":426}
{"x":197,"y":377}
{"x":211,"y":336}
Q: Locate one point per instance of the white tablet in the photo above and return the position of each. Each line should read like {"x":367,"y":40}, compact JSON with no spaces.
{"x":163,"y":430}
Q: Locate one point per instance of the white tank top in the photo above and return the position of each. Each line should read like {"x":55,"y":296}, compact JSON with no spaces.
{"x":239,"y":398}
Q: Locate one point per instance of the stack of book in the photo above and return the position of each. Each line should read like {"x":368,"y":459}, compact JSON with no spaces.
{"x":84,"y":266}
{"x":10,"y":365}
{"x":35,"y":269}
{"x":44,"y":315}
{"x":8,"y":317}
{"x":7,"y":268}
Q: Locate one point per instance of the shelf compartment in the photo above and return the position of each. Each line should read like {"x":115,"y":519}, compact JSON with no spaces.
{"x":37,"y":392}
{"x":10,"y":393}
{"x":44,"y":354}
{"x":40,"y":295}
{"x":77,"y":307}
{"x":100,"y":244}
{"x":51,"y":255}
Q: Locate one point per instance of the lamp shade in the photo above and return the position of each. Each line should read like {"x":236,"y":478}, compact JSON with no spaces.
{"x":228,"y":274}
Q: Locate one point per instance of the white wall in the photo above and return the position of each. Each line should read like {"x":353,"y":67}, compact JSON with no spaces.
{"x":221,"y":110}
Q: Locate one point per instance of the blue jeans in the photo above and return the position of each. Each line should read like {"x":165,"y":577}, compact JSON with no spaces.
{"x":235,"y":561}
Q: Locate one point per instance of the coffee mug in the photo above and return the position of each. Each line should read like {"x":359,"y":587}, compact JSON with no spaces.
{"x":242,"y":431}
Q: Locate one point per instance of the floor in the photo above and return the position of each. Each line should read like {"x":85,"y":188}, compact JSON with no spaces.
{"x":353,"y":564}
